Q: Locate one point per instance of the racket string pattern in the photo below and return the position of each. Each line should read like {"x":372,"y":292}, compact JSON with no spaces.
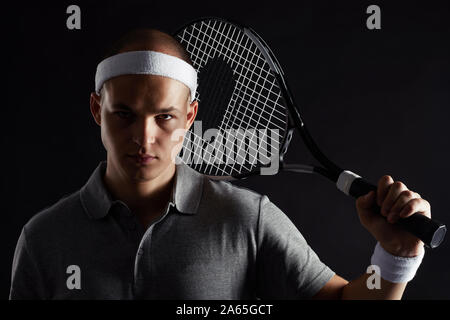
{"x":228,"y":110}
{"x":254,"y":104}
{"x":259,"y":59}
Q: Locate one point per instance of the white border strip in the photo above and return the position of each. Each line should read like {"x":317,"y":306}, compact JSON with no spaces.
{"x":345,"y":181}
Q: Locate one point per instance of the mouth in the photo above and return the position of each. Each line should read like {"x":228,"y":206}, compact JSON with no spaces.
{"x":142,"y":159}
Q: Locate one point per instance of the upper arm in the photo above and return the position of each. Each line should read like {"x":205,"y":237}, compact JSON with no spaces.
{"x":26,"y":281}
{"x":287,"y":267}
{"x":332,"y":289}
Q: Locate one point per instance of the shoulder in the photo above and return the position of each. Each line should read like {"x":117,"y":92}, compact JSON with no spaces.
{"x":59,"y":217}
{"x":232,"y":199}
{"x":229,"y":192}
{"x":246,"y":205}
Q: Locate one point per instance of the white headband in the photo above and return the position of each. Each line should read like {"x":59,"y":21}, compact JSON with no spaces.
{"x":146,"y":62}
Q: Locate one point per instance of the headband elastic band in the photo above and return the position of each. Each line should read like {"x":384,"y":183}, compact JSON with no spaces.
{"x":146,"y":62}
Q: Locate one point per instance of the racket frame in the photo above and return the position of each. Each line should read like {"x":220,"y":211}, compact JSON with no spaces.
{"x":293,"y":118}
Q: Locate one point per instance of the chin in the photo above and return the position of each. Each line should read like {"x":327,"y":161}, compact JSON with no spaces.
{"x":144,"y":174}
{"x":149,"y":171}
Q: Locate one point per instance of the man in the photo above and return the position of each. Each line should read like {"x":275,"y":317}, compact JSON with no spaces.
{"x":143,"y":227}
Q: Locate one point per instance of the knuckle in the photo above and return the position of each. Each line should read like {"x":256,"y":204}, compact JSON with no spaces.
{"x":398,"y":185}
{"x":419,"y":202}
{"x":426,"y":203}
{"x":407,"y":193}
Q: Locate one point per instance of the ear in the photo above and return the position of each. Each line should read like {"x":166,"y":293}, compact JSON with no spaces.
{"x":192,"y":113}
{"x":96,"y":108}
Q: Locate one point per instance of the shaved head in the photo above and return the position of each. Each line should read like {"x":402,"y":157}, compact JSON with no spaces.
{"x":149,"y":39}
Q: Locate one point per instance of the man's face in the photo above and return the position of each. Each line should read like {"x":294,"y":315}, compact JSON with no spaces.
{"x":144,"y":114}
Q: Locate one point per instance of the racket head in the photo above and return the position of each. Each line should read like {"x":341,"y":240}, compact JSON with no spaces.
{"x":242,"y":126}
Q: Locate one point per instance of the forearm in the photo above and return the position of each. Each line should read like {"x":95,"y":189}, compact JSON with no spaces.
{"x":359,"y":289}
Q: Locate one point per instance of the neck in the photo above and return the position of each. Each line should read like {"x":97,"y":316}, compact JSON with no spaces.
{"x":148,"y":196}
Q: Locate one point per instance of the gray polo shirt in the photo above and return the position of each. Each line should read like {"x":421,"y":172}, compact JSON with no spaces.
{"x":215,"y":240}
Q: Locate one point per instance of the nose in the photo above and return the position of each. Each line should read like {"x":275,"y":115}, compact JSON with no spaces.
{"x":145,"y":133}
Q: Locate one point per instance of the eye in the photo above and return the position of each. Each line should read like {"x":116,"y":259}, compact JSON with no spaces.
{"x":123,"y":114}
{"x":165,"y":116}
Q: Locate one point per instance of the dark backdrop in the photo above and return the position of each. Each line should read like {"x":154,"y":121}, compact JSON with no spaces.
{"x":377,"y":102}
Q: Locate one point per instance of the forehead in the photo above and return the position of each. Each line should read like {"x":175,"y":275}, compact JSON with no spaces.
{"x":139,"y":89}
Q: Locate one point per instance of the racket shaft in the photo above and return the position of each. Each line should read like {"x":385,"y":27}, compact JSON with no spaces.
{"x":430,"y":231}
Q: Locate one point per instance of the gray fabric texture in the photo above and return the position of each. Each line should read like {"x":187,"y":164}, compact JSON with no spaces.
{"x":215,"y":240}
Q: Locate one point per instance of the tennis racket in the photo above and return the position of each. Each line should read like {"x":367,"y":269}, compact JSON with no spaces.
{"x":247,"y":116}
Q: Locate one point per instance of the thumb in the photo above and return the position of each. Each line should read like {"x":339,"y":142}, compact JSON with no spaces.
{"x":365,"y":201}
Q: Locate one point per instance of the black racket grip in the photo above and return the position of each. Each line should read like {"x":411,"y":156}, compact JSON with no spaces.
{"x":430,"y":231}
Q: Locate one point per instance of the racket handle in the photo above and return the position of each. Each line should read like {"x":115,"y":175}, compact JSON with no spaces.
{"x":430,"y":231}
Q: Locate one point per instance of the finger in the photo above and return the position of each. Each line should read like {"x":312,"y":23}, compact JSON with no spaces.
{"x":418,"y":205}
{"x":384,"y":185}
{"x":404,"y":197}
{"x":396,"y":188}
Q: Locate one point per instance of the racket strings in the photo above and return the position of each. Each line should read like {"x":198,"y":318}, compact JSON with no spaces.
{"x":258,"y":61}
{"x":254,"y":102}
{"x":241,"y":140}
{"x":239,"y":148}
{"x":204,"y":62}
{"x":252,"y":114}
{"x":262,"y":87}
{"x":201,"y":142}
{"x":222,"y":45}
{"x":218,"y":84}
{"x":252,"y":155}
{"x":199,"y":145}
{"x":242,"y":87}
{"x":247,"y":87}
{"x":210,"y":154}
{"x":201,"y":148}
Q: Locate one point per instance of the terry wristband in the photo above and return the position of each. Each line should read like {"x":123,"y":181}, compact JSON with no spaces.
{"x":395,"y":269}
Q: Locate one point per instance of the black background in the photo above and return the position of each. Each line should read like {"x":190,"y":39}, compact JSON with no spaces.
{"x":376,"y":101}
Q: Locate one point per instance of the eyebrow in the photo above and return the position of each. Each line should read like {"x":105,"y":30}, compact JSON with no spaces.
{"x":123,"y":106}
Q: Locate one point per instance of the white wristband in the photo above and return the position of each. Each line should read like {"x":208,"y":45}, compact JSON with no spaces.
{"x":395,"y":269}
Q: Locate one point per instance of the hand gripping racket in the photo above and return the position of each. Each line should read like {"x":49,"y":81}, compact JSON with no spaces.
{"x":247,"y":116}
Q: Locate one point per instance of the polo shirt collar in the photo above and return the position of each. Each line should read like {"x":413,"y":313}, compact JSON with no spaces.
{"x":186,"y":192}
